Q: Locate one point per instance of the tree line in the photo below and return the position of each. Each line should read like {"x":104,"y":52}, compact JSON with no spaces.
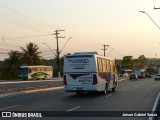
{"x":29,"y":55}
{"x":141,"y":63}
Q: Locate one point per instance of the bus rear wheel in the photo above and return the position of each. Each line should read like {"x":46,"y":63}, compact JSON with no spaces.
{"x":106,"y":89}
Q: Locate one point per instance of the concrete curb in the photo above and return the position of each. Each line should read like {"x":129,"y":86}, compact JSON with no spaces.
{"x":29,"y":91}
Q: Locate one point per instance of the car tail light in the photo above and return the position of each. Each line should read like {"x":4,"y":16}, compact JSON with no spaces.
{"x":64,"y":80}
{"x":94,"y":79}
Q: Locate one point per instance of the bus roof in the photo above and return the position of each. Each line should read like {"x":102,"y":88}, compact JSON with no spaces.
{"x":34,"y":66}
{"x":86,"y":54}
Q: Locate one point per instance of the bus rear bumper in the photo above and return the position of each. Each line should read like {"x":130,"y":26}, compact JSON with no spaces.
{"x":80,"y":88}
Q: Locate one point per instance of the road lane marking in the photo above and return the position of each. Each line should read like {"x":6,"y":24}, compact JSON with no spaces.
{"x":73,"y":108}
{"x":121,"y":80}
{"x":9,"y":107}
{"x":108,"y":95}
{"x":7,"y":95}
{"x":155,"y":106}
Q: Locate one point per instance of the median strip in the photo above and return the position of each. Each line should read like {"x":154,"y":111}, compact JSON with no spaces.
{"x":26,"y":91}
{"x":4,"y":91}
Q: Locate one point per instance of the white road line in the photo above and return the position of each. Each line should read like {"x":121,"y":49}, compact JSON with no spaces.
{"x":155,"y":105}
{"x":121,"y":80}
{"x":9,"y":107}
{"x":108,"y":95}
{"x":73,"y":108}
{"x":7,"y":95}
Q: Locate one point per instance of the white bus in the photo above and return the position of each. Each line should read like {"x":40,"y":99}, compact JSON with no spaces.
{"x":36,"y":72}
{"x":88,"y":71}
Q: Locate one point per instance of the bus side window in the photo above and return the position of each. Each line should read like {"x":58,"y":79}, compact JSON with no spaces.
{"x":111,"y":66}
{"x":108,"y":66}
{"x":99,"y":63}
{"x":104,"y":69}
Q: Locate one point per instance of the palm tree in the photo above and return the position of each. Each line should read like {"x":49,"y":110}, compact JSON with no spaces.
{"x":14,"y":59}
{"x":30,"y":54}
{"x":14,"y":62}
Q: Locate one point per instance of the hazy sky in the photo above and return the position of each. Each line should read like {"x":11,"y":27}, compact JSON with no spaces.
{"x":90,"y":23}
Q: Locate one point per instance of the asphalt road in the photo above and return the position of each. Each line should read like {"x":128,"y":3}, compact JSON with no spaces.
{"x":130,"y":96}
{"x":18,"y":84}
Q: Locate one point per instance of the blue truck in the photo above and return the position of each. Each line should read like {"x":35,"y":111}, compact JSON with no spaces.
{"x":139,"y":73}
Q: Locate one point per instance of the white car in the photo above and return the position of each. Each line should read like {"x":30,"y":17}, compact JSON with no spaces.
{"x":157,"y":77}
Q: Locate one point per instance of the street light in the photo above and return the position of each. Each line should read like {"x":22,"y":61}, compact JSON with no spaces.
{"x":65,"y":44}
{"x":50,"y":49}
{"x":150,"y":18}
{"x":110,"y":51}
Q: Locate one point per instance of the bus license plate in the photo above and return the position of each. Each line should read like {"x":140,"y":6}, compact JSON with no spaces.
{"x":79,"y":88}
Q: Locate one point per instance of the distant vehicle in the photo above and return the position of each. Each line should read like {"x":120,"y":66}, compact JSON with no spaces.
{"x":139,"y":73}
{"x":158,"y":70}
{"x":148,"y":76}
{"x":125,"y":72}
{"x":157,"y":77}
{"x":133,"y":76}
{"x":35,"y":72}
{"x":88,"y":71}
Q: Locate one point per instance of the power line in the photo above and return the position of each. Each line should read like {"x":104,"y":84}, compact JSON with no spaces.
{"x":44,"y":24}
{"x":19,"y":23}
{"x":25,"y":37}
{"x":27,"y":18}
{"x":9,"y":45}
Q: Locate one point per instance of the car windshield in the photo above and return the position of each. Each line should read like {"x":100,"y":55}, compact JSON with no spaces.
{"x":157,"y":75}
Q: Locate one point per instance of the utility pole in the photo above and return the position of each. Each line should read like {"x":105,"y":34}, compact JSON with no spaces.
{"x":104,"y":49}
{"x":58,"y":53}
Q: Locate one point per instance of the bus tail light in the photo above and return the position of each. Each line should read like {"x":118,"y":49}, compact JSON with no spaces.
{"x":64,"y":80}
{"x":94,"y":79}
